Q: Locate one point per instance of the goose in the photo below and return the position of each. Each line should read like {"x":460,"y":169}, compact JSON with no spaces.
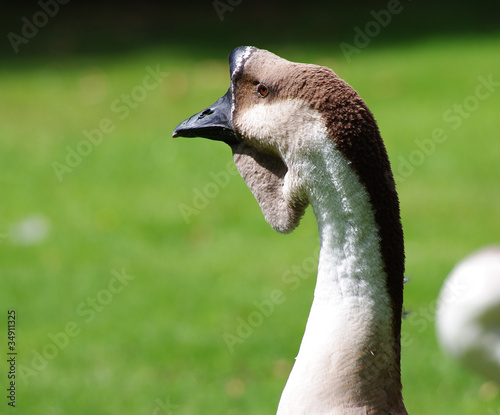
{"x":302,"y":136}
{"x":468,"y":313}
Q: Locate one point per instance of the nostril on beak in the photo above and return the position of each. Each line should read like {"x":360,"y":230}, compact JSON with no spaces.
{"x":208,"y":111}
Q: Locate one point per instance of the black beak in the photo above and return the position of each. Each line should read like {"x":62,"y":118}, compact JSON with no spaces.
{"x":213,"y":123}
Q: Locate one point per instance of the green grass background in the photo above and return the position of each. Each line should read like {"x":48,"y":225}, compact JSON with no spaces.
{"x":161,"y":338}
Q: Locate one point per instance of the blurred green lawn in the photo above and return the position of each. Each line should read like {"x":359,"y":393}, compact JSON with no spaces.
{"x":154,"y":343}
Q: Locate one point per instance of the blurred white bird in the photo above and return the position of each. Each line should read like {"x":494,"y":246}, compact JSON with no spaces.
{"x":468,"y":313}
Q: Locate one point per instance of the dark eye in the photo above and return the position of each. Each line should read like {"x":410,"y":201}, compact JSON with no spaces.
{"x":262,"y":90}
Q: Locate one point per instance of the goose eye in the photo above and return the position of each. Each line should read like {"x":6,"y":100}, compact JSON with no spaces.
{"x":262,"y":90}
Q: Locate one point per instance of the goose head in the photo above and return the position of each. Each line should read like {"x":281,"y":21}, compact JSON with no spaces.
{"x":275,"y":115}
{"x":266,"y":106}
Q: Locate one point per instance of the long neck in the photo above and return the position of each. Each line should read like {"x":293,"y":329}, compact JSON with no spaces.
{"x":348,"y":361}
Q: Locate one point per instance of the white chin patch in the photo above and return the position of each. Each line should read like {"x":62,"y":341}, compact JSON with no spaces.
{"x":284,"y":125}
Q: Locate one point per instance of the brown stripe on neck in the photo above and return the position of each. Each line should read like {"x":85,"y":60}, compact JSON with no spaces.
{"x":355,"y":131}
{"x":353,"y":127}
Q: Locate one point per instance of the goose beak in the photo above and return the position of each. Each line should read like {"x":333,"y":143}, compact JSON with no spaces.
{"x":213,"y":123}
